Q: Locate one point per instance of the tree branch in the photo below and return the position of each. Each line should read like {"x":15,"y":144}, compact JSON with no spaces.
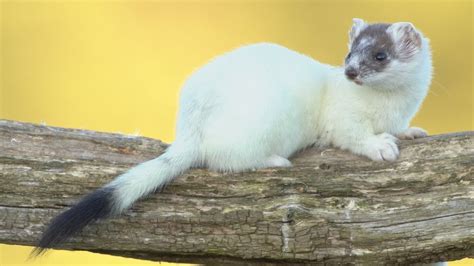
{"x":331,"y":207}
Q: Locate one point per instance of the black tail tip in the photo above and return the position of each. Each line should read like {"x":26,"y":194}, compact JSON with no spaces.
{"x":92,"y":207}
{"x":36,"y":252}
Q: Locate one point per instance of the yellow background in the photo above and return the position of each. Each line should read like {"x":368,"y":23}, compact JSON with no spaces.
{"x":118,"y":66}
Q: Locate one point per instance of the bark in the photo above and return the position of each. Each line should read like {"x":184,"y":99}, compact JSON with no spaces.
{"x":331,"y":207}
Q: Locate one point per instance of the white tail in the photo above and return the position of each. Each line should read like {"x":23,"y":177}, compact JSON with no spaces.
{"x":149,"y":176}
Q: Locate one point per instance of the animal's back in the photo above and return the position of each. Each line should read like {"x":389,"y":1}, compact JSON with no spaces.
{"x":250,"y":103}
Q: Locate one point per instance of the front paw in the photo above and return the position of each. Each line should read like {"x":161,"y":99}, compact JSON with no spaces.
{"x":413,"y":133}
{"x":382,"y":147}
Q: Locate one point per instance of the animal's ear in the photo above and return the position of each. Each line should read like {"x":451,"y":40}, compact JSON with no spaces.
{"x":357,"y":26}
{"x":406,"y":38}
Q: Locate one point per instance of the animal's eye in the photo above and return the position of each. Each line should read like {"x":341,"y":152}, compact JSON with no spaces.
{"x":348,"y":56}
{"x":380,"y":56}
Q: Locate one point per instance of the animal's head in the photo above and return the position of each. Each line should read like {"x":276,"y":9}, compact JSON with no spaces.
{"x":386,"y":56}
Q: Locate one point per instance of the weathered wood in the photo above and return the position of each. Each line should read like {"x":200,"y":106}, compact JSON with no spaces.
{"x":331,"y":207}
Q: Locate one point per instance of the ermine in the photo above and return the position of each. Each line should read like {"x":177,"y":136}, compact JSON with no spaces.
{"x":257,"y":105}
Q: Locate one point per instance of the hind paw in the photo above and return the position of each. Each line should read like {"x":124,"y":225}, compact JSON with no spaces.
{"x":277,"y":161}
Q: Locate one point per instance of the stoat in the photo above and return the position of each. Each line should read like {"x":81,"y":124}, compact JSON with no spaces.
{"x":257,"y":105}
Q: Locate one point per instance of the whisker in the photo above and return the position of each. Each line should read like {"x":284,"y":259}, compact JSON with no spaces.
{"x":442,"y":87}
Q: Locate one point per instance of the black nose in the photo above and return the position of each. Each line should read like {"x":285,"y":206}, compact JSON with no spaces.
{"x":351,"y":73}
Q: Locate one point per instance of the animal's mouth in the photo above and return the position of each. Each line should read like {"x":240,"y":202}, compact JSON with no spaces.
{"x":353,"y":75}
{"x":357,"y":81}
